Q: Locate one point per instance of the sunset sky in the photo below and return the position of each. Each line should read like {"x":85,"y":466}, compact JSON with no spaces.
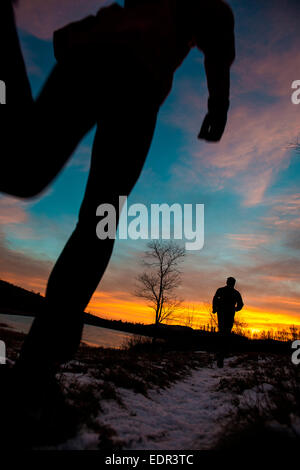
{"x":249,"y":182}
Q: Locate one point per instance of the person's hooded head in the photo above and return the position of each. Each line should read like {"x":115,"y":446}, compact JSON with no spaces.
{"x":230,"y":282}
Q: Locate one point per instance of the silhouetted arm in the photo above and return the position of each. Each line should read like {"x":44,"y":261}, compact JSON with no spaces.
{"x":219,"y":51}
{"x":239,"y":303}
{"x":216,"y":300}
{"x":218,"y":80}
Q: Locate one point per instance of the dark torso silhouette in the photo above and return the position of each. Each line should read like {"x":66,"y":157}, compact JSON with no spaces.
{"x":149,"y":31}
{"x":227,"y":299}
{"x":226,"y":302}
{"x":146,"y":32}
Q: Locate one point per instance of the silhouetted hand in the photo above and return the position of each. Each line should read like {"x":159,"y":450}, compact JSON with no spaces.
{"x":213,"y":126}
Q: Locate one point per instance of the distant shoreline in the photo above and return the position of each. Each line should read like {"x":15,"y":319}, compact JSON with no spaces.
{"x":15,"y":300}
{"x":92,"y":320}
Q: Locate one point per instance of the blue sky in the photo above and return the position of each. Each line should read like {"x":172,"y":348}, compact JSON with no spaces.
{"x":249,"y":182}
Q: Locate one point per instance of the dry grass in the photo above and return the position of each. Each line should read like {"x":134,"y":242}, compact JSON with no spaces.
{"x":141,"y":367}
{"x":266,"y":404}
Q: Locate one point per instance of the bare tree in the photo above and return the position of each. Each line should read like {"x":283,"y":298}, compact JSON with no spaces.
{"x":295,"y":145}
{"x":213,"y":322}
{"x":190,"y":316}
{"x":239,"y":327}
{"x":157,"y":284}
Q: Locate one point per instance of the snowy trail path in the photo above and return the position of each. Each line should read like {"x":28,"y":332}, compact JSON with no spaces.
{"x":185,"y":416}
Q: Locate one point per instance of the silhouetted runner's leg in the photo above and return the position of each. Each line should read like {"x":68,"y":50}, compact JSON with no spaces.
{"x":225,"y":324}
{"x":223,"y":334}
{"x":122,"y":141}
{"x":37,"y":139}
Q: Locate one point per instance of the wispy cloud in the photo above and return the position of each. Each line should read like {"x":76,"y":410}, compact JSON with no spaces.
{"x":248,"y":241}
{"x":262,"y":120}
{"x":22,"y":269}
{"x":12,"y":211}
{"x":260,"y":250}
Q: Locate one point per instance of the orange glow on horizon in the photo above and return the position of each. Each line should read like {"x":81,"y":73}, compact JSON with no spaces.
{"x":124,"y":306}
{"x":116,"y":308}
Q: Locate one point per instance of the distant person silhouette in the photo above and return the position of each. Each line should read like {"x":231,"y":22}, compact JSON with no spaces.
{"x":227,"y":300}
{"x":114,"y":69}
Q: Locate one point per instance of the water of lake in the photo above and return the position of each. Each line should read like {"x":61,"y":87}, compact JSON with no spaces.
{"x":92,"y":335}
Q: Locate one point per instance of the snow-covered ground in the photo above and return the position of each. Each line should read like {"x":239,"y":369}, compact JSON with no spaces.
{"x":188,"y":415}
{"x":145,"y":398}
